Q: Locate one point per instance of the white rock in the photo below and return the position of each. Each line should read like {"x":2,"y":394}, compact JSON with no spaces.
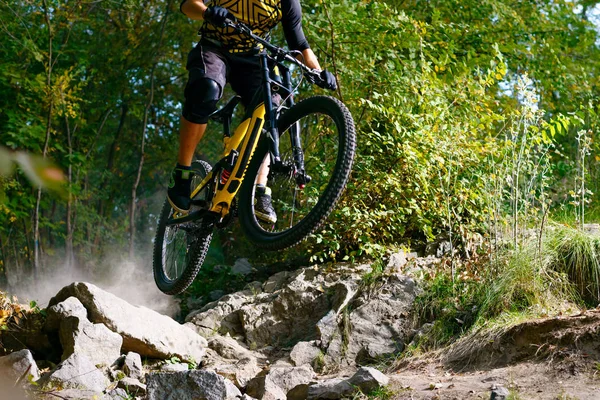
{"x":190,"y":385}
{"x":70,"y":307}
{"x":368,"y":379}
{"x":95,"y":341}
{"x":132,"y":365}
{"x":15,"y":365}
{"x":76,"y":372}
{"x":144,"y":331}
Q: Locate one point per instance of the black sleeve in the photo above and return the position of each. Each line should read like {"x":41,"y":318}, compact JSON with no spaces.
{"x":291,"y":21}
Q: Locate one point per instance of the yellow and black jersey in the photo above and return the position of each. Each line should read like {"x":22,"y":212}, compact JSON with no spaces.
{"x":261,"y":16}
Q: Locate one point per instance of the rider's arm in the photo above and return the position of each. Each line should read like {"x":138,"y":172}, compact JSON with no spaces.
{"x":291,"y":22}
{"x":193,"y":9}
{"x":310,"y":59}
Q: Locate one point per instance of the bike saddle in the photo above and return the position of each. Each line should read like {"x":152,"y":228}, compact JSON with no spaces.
{"x":226,"y":111}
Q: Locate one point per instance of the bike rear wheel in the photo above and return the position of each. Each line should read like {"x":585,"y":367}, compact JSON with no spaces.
{"x":180,"y":249}
{"x":328,"y":142}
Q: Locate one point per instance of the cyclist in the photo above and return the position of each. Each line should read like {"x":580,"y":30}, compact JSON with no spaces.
{"x":223,"y":55}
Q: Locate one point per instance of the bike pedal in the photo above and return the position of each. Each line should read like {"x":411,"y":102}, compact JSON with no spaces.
{"x":178,"y":214}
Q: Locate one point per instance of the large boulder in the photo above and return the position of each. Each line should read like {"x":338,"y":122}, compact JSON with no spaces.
{"x":71,"y":307}
{"x":143,"y":331}
{"x":19,"y":364}
{"x":346,"y":320}
{"x":95,"y":341}
{"x":377,"y":325}
{"x":190,"y":385}
{"x":285,"y":312}
{"x":76,"y":372}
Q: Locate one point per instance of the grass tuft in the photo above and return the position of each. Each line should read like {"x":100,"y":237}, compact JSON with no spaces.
{"x":576,"y":254}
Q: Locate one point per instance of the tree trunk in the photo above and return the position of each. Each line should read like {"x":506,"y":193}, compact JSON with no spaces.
{"x":3,"y":264}
{"x":69,"y":236}
{"x":132,"y":206}
{"x":36,"y":212}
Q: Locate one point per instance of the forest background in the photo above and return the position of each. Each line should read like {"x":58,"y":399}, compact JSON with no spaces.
{"x":477,"y":120}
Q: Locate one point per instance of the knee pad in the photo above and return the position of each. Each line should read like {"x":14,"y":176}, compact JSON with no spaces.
{"x":201,"y":97}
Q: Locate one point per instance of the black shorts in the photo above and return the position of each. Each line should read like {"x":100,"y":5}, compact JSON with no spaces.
{"x":242,"y":71}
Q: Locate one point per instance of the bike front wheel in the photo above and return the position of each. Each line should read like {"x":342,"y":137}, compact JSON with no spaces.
{"x":180,"y":249}
{"x":328,"y":141}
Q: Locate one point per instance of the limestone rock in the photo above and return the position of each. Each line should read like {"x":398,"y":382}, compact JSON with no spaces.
{"x":132,"y":365}
{"x":241,"y":267}
{"x":17,"y":364}
{"x":276,"y":281}
{"x":239,"y":372}
{"x":330,"y":389}
{"x":81,"y":394}
{"x":265,"y":389}
{"x":222,"y":316}
{"x":272,"y":383}
{"x":132,"y":386}
{"x":176,"y":367}
{"x":144,"y":331}
{"x":95,"y":341}
{"x":190,"y":385}
{"x":499,"y":393}
{"x":304,"y":353}
{"x":70,"y":307}
{"x":76,"y":372}
{"x":117,"y":394}
{"x":397,"y":261}
{"x":289,"y":378}
{"x":228,"y":347}
{"x":381,"y":324}
{"x":300,"y":392}
{"x":368,"y":379}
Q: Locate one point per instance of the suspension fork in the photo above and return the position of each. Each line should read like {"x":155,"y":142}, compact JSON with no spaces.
{"x":295,"y":140}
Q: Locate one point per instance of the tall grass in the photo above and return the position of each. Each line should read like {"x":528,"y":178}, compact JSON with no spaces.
{"x":562,"y":275}
{"x":576,"y":254}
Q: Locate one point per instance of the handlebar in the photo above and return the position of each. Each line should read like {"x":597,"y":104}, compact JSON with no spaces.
{"x":278,"y":53}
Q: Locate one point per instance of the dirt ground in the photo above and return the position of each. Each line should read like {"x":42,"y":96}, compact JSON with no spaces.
{"x":526,"y":380}
{"x":552,"y":358}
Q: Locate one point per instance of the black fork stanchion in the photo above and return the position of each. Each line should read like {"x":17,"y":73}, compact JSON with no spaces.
{"x":270,"y":112}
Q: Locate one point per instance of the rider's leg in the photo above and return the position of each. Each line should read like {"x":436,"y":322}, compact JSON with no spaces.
{"x":263,"y":172}
{"x":204,"y":88}
{"x":246,"y":79}
{"x":190,"y":135}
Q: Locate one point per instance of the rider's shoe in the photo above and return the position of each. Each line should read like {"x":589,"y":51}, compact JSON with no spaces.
{"x":263,"y":209}
{"x":179,"y":190}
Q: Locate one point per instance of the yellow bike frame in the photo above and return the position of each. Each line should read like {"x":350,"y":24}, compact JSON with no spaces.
{"x":221,"y":201}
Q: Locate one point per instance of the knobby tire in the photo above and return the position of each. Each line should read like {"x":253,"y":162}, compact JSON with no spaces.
{"x":336,"y":111}
{"x":196,"y":249}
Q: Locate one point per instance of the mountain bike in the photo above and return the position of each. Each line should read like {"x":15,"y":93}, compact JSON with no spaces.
{"x":309,"y":147}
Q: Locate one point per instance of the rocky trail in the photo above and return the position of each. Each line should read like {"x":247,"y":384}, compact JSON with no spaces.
{"x":326,"y":332}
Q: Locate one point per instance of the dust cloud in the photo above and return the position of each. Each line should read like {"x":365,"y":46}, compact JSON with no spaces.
{"x":130,"y":281}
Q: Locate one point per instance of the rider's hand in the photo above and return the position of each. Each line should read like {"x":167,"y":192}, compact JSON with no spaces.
{"x":217,"y":15}
{"x":327,"y":80}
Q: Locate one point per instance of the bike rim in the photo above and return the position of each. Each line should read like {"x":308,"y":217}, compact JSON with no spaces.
{"x":320,"y":140}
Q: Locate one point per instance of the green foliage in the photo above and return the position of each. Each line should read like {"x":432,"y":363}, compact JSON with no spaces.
{"x":467,"y":113}
{"x":441,"y":111}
